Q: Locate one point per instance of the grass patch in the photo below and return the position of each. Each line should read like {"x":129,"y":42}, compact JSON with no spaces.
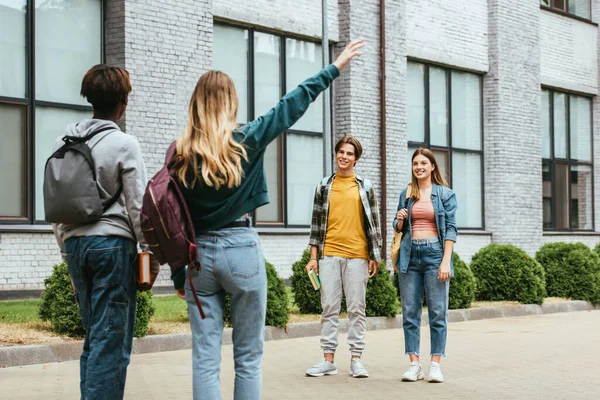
{"x":19,"y":311}
{"x":169,"y":309}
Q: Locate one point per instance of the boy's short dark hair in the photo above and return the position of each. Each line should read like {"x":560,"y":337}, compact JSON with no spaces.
{"x":354,"y":142}
{"x":106,"y":87}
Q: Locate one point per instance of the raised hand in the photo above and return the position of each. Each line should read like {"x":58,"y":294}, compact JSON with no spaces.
{"x":351,"y":51}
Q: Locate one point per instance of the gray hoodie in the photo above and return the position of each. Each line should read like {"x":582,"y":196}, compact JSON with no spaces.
{"x":118,"y":161}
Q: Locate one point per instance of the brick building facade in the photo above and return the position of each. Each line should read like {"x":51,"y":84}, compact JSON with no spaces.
{"x":506,"y":96}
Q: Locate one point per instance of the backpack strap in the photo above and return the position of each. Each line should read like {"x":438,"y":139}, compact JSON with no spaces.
{"x":367,"y":185}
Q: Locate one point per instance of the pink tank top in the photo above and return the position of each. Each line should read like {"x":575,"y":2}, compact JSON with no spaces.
{"x":423,"y":216}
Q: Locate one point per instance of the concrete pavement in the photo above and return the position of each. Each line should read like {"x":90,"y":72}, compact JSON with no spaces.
{"x":534,"y":357}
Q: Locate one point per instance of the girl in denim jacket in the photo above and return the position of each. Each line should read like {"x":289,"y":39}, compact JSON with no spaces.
{"x":427,"y":216}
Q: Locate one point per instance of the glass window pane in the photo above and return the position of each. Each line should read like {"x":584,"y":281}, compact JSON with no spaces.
{"x":581,"y":197}
{"x":304,"y":172}
{"x":581,"y":8}
{"x":466,"y":110}
{"x":547,"y":194}
{"x":443,"y":161}
{"x":230,"y":55}
{"x":13,"y":161}
{"x":68,"y":39}
{"x":415,"y":102}
{"x":438,"y":107}
{"x":545,"y":125}
{"x":581,"y":128}
{"x":267,"y":82}
{"x":561,"y":192}
{"x":273,"y":212}
{"x":560,"y":125}
{"x":13,"y":36}
{"x":559,"y":4}
{"x":303,"y":60}
{"x":468,"y":189}
{"x":50,"y":123}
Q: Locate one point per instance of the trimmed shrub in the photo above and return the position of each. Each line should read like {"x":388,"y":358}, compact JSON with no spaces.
{"x":59,"y":306}
{"x":462,"y":285}
{"x":307,"y":298}
{"x":572,"y":271}
{"x":278,"y":313}
{"x":505,"y":272}
{"x":381,"y":300}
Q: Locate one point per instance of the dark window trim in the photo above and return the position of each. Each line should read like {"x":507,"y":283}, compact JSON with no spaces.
{"x":449,"y":148}
{"x":283,"y":170}
{"x":569,"y":162}
{"x":31,"y":103}
{"x":568,"y":14}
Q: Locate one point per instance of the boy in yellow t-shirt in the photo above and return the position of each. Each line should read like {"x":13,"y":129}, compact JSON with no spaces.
{"x":345,"y":244}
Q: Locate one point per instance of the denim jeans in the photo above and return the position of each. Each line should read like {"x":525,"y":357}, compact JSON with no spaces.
{"x":232,"y":262}
{"x":350,"y":276}
{"x":422,"y":275}
{"x":104,"y":279}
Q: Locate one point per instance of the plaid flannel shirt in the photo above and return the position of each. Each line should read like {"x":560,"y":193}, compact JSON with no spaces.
{"x":318,"y":228}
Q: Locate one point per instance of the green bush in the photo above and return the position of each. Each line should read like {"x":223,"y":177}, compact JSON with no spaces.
{"x":505,"y":272}
{"x":60,"y":307}
{"x":381,"y":298}
{"x":462,"y":285}
{"x":278,"y":313}
{"x":572,"y":270}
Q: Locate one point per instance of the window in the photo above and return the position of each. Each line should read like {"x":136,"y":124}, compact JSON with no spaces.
{"x":40,"y":78}
{"x":580,"y":8}
{"x":444,"y":109}
{"x":567,"y":171}
{"x":264,"y":67}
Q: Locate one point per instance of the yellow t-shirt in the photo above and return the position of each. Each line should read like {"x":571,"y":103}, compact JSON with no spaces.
{"x":345,"y":236}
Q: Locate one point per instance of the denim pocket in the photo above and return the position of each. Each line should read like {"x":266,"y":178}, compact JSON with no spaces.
{"x":117,"y":316}
{"x":108,"y":265}
{"x":435,"y":247}
{"x":243,"y":258}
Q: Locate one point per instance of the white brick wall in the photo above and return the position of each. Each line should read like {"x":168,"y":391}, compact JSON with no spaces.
{"x":512,"y":139}
{"x":26,"y":259}
{"x":590,"y":240}
{"x":302,"y":17}
{"x":448,"y":32}
{"x":569,"y":57}
{"x":468,"y":244}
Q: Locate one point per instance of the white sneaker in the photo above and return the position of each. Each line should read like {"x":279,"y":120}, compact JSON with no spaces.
{"x":323,"y":368}
{"x":357,"y":370}
{"x":414,"y":373}
{"x":435,"y":373}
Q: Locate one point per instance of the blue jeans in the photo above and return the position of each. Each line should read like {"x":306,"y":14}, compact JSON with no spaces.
{"x":422,"y":274}
{"x":102,"y":273}
{"x":232,"y":262}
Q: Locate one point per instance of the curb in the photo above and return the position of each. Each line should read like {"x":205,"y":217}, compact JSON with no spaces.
{"x":42,"y":354}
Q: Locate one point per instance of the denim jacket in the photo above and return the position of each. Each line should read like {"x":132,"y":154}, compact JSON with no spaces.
{"x":444,"y":207}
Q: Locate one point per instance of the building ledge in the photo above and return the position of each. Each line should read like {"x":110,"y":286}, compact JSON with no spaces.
{"x":572,"y":233}
{"x":42,"y":228}
{"x":474,"y":232}
{"x":568,"y":15}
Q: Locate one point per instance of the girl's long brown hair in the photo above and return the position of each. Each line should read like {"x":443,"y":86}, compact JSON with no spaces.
{"x":436,"y":175}
{"x":206,"y":145}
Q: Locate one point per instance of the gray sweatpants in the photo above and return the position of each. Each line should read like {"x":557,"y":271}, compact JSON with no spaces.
{"x":347,"y":276}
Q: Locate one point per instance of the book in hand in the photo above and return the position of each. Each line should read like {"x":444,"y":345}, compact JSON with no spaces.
{"x":144,"y":275}
{"x":314,"y":279}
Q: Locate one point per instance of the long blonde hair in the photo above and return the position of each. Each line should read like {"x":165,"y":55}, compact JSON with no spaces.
{"x":436,"y":174}
{"x":206,"y":145}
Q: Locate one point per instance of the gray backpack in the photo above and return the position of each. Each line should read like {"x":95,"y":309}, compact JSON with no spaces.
{"x":71,"y":194}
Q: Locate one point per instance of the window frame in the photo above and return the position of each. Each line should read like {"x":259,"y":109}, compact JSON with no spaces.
{"x":30,"y":103}
{"x":568,"y":161}
{"x":550,"y":7}
{"x":282,"y":148}
{"x":450,"y":149}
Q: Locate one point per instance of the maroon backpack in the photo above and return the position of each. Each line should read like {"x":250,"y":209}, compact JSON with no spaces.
{"x":167,"y":224}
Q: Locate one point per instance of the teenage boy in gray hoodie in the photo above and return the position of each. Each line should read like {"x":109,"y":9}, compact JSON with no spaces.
{"x":100,"y":255}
